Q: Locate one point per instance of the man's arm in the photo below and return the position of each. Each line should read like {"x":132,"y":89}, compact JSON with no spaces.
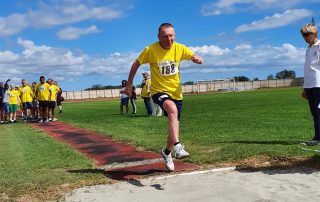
{"x":135,"y":66}
{"x":197,"y":59}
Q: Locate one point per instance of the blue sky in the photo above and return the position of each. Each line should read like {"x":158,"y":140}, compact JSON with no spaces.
{"x":84,"y":42}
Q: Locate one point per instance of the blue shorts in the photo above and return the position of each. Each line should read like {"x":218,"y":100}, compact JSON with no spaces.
{"x":159,"y":99}
{"x":27,"y":105}
{"x":124,"y":101}
{"x":5,"y":107}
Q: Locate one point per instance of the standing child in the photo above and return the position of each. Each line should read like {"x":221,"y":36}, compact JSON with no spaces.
{"x":60,"y":99}
{"x":14,"y":97}
{"x":5,"y":101}
{"x":133,"y":99}
{"x":1,"y":103}
{"x":124,"y":99}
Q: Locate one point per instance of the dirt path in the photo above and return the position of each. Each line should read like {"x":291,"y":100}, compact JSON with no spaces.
{"x":118,"y":160}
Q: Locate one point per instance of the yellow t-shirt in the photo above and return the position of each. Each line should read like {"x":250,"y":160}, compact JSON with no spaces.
{"x":164,"y":66}
{"x":13,"y":97}
{"x":43,"y":91}
{"x":146,"y":85}
{"x":26,"y":94}
{"x":54,"y":89}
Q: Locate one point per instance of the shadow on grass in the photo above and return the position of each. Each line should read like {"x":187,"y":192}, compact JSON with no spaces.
{"x":282,"y":165}
{"x":272,"y":142}
{"x":130,"y":115}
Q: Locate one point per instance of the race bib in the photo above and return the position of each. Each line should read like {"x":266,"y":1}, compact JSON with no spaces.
{"x":24,"y":90}
{"x":168,"y":68}
{"x":42,"y":88}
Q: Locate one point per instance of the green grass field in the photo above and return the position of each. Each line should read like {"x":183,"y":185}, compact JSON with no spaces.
{"x":215,"y":128}
{"x":33,"y":163}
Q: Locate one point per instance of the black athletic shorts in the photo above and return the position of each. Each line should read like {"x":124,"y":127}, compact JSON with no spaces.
{"x":43,"y":104}
{"x":52,"y":104}
{"x":159,"y":99}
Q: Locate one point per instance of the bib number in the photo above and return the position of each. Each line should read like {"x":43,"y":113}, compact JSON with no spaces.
{"x":168,"y":68}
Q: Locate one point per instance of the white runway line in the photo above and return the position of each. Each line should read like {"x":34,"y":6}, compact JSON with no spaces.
{"x":198,"y":172}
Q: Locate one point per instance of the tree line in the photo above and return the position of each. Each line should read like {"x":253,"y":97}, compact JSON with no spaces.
{"x":284,"y":74}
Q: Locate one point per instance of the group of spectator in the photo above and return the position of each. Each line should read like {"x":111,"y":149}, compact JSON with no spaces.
{"x":152,"y":109}
{"x":37,"y":101}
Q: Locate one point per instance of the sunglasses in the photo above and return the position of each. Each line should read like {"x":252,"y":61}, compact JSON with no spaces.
{"x":306,"y":34}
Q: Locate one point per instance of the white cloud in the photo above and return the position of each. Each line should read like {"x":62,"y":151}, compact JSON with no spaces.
{"x":72,"y":33}
{"x":244,"y":56}
{"x":276,"y":20}
{"x":57,"y":13}
{"x":210,"y":50}
{"x":12,"y":24}
{"x":7,"y":56}
{"x":232,"y":6}
{"x":35,"y":60}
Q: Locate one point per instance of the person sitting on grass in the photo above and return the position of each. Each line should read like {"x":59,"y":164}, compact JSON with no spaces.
{"x":124,"y":98}
{"x":14,"y":100}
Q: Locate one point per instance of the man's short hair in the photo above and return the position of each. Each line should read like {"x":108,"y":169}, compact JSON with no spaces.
{"x":166,"y":24}
{"x":308,"y":28}
{"x":42,"y":77}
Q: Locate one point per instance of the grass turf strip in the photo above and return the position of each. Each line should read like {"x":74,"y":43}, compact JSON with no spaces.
{"x":220,"y":127}
{"x":32,"y":162}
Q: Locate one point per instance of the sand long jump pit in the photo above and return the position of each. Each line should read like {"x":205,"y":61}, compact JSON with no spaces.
{"x":222,"y":185}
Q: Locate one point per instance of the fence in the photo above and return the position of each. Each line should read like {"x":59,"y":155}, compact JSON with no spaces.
{"x":199,"y":87}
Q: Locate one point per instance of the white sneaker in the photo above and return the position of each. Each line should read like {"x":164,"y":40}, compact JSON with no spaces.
{"x":41,"y":121}
{"x":180,"y":152}
{"x":49,"y":119}
{"x":168,"y":160}
{"x":312,"y":142}
{"x":54,"y":119}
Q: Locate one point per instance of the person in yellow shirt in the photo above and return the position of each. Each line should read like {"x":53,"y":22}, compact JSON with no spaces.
{"x":54,"y":89}
{"x":43,"y":96}
{"x":145,"y":92}
{"x":164,"y":58}
{"x":14,"y":101}
{"x":26,"y":95}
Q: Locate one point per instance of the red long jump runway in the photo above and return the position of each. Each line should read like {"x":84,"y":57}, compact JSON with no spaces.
{"x":118,"y":160}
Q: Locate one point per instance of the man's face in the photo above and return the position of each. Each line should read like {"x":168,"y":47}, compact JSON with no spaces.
{"x":23,"y":82}
{"x":166,"y":37}
{"x":42,"y":80}
{"x":310,"y":38}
